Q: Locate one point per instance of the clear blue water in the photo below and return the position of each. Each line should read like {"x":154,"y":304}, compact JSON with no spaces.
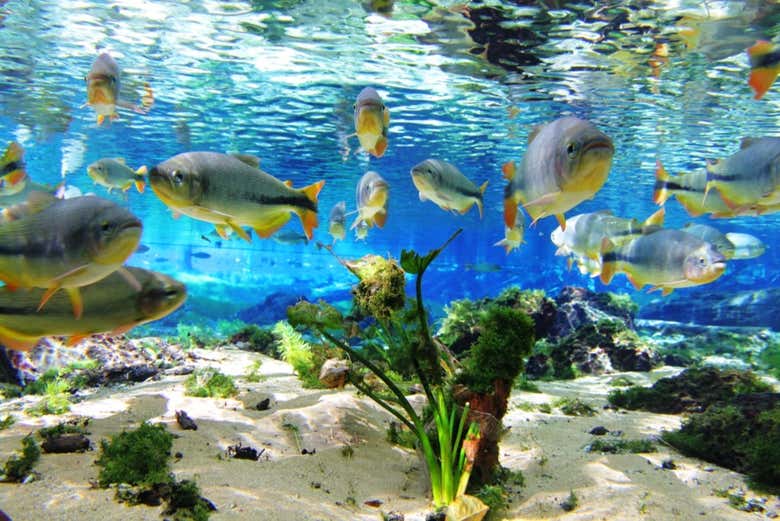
{"x":278,"y":80}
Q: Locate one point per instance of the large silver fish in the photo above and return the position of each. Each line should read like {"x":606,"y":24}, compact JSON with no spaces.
{"x":665,"y":258}
{"x":446,"y":186}
{"x":111,"y":305}
{"x":567,"y":161}
{"x":65,"y":243}
{"x":231,"y":192}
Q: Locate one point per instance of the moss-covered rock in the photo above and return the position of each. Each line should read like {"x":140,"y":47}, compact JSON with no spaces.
{"x":743,"y":435}
{"x":382,"y":286}
{"x":693,"y":390}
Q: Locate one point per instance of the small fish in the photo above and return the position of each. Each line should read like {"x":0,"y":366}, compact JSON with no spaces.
{"x":372,"y":119}
{"x":290,"y":237}
{"x":665,"y":258}
{"x":64,"y":243}
{"x":201,"y":255}
{"x":111,"y":305}
{"x":142,"y":248}
{"x":567,"y":161}
{"x":749,"y":179}
{"x":13,"y":176}
{"x":337,"y":221}
{"x":372,"y":195}
{"x":103,"y":90}
{"x":446,"y":186}
{"x":361,"y":231}
{"x":514,"y":235}
{"x":713,"y":236}
{"x":764,"y":67}
{"x":30,"y":186}
{"x":483,"y":267}
{"x":114,"y":173}
{"x":745,"y":246}
{"x":226,"y":191}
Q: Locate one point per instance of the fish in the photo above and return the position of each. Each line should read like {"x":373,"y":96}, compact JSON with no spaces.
{"x":337,"y":221}
{"x":290,"y":237}
{"x":446,"y":186}
{"x":224,"y":190}
{"x":111,"y":305}
{"x":13,"y":176}
{"x":713,"y":236}
{"x":201,"y":255}
{"x":665,"y":258}
{"x":65,"y":244}
{"x":103,"y":90}
{"x":745,"y":245}
{"x":372,"y":120}
{"x":514,"y":235}
{"x":114,"y":173}
{"x":567,"y":161}
{"x":361,"y":231}
{"x":584,"y":232}
{"x":482,"y":267}
{"x":7,"y":201}
{"x":688,"y":188}
{"x":142,"y":248}
{"x":372,"y":195}
{"x":764,"y":61}
{"x":748,"y":180}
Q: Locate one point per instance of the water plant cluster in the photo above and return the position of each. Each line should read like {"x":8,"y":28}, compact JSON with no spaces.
{"x":388,"y":336}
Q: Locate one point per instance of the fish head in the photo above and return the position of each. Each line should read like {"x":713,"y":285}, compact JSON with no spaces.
{"x":177,"y":183}
{"x":427,"y":176}
{"x":372,"y":191}
{"x":98,"y":171}
{"x":704,"y":264}
{"x":160,"y":295}
{"x":584,"y":158}
{"x":112,"y":233}
{"x":371,"y":115}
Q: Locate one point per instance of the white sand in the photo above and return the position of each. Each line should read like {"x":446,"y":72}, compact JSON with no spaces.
{"x":328,"y":485}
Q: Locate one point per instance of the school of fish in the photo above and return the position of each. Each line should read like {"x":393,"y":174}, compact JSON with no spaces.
{"x":50,"y":242}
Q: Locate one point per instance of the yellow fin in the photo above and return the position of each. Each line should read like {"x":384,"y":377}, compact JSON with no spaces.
{"x":76,"y":300}
{"x":239,"y":230}
{"x":309,"y":217}
{"x":17,"y":341}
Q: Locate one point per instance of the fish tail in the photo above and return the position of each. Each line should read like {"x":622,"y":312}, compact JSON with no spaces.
{"x":509,"y":170}
{"x":762,"y":76}
{"x":505,"y":244}
{"x":481,"y":195}
{"x":140,"y":186}
{"x":380,"y":147}
{"x":147,"y":99}
{"x":657,"y":219}
{"x":660,"y":194}
{"x":309,"y":217}
{"x":510,"y":212}
{"x":608,"y":261}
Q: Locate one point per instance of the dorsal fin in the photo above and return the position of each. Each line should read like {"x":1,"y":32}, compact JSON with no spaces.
{"x":248,"y":159}
{"x":747,"y":141}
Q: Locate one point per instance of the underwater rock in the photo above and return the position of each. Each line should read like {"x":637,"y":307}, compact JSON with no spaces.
{"x":65,"y":443}
{"x":577,"y":307}
{"x":239,"y":451}
{"x":760,"y":308}
{"x":333,"y":373}
{"x":601,"y":348}
{"x":694,"y":390}
{"x":8,"y":373}
{"x":599,"y":430}
{"x":185,"y":422}
{"x":272,"y":309}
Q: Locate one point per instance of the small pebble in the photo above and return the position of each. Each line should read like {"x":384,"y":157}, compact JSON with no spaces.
{"x":599,"y":430}
{"x":668,"y":464}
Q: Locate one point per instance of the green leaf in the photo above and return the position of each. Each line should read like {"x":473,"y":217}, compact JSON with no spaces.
{"x":413,"y":263}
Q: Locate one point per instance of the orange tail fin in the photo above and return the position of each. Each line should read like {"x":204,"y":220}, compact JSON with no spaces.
{"x":660,"y":193}
{"x":309,"y":217}
{"x":608,"y":266}
{"x":762,"y":76}
{"x":510,"y":212}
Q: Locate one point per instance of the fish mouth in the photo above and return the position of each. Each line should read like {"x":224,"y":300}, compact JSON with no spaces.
{"x":599,"y":145}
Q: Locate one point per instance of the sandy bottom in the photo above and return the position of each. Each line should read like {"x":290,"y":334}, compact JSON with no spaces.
{"x":352,"y":463}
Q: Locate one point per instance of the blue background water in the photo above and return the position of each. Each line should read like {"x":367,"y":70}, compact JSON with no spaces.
{"x":278,"y":80}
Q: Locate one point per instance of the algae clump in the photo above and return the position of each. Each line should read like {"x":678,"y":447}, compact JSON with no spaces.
{"x":18,"y":468}
{"x":210,"y":383}
{"x":138,"y":457}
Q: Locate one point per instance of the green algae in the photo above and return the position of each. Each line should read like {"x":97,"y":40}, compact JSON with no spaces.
{"x":137,"y":457}
{"x":209,"y":382}
{"x":18,"y":467}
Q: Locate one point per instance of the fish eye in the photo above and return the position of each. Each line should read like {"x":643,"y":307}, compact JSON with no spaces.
{"x":105,"y":226}
{"x":178,"y":177}
{"x":571,"y":148}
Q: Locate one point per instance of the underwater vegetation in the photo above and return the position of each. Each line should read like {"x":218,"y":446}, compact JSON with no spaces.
{"x":734,"y":418}
{"x":141,"y":458}
{"x":210,"y":383}
{"x":19,"y":467}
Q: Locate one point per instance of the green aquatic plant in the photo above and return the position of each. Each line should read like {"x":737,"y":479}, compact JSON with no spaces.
{"x":253,"y":372}
{"x":18,"y":468}
{"x":55,"y":399}
{"x":137,"y":457}
{"x":574,"y":407}
{"x":571,"y":502}
{"x":7,"y":422}
{"x":381,"y":295}
{"x":612,"y":446}
{"x":209,"y":382}
{"x":299,"y":354}
{"x":256,"y":338}
{"x":185,"y":502}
